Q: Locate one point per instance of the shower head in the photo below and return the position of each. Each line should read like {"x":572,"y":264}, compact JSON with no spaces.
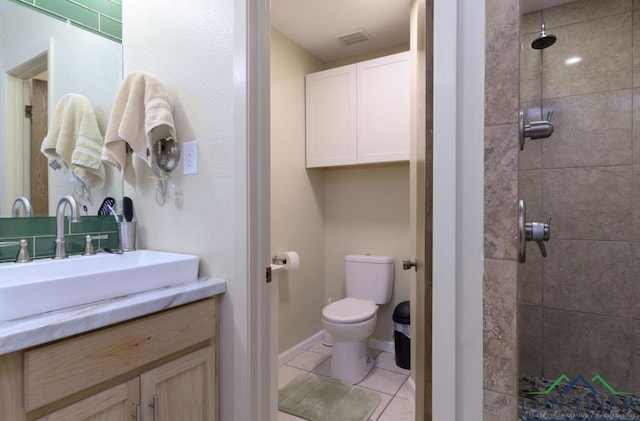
{"x":544,"y":40}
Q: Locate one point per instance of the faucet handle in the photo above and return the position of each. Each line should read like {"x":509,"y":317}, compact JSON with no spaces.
{"x":538,"y":232}
{"x":88,"y":243}
{"x":549,"y":115}
{"x":88,"y":246}
{"x":23,"y":254}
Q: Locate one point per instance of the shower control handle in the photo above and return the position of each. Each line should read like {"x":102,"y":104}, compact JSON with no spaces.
{"x":538,"y":232}
{"x":531,"y":231}
{"x":538,"y":129}
{"x":535,"y":129}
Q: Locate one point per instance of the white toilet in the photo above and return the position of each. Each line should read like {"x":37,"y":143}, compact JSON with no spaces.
{"x":350,"y":321}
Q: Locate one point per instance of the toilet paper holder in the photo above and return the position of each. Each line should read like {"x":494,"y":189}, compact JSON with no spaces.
{"x":279,"y":259}
{"x":288,"y":260}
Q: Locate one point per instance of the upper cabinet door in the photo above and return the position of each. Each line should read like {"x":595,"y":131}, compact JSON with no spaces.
{"x":383,"y":109}
{"x":331,"y":117}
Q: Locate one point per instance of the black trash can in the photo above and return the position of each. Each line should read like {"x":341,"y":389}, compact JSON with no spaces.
{"x":401,"y":335}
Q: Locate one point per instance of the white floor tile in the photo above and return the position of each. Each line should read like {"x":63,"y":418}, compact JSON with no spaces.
{"x":286,"y":374}
{"x":406,"y":392}
{"x":324,"y":369}
{"x":383,"y":381}
{"x":386,"y":378}
{"x":283,"y":416}
{"x":398,"y":410}
{"x":321,"y":349}
{"x":384,"y":401}
{"x":308,"y":360}
{"x":387,"y":361}
{"x":374,"y":353}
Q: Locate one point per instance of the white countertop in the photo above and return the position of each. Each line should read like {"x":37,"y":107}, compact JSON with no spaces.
{"x":42,"y":328}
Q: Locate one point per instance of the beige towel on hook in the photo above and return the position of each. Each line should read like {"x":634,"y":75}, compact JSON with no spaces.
{"x":74,"y":140}
{"x":141,"y":106}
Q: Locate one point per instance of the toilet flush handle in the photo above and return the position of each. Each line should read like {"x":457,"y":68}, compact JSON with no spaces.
{"x":408,"y":264}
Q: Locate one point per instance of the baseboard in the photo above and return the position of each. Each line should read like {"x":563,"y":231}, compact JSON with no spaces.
{"x":384,"y":346}
{"x":412,"y":385}
{"x":298,"y":349}
{"x":291,"y":353}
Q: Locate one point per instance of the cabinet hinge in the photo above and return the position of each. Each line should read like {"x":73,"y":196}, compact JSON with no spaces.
{"x":268,"y":274}
{"x":27,"y":111}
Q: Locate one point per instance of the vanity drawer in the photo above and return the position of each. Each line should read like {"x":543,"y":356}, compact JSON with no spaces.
{"x":53,"y":372}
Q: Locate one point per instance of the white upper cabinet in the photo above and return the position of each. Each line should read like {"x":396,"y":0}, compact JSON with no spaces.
{"x":359,"y":113}
{"x":331,"y":117}
{"x":383,"y":109}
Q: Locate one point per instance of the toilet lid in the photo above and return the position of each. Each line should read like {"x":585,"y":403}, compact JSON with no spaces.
{"x":349,"y":310}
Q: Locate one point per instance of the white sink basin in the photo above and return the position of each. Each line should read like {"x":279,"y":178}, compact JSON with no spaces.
{"x":47,"y":284}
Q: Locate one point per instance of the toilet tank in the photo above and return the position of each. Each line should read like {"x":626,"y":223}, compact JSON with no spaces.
{"x":369,"y":277}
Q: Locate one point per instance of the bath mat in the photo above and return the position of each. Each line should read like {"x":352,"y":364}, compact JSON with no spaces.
{"x":318,"y":398}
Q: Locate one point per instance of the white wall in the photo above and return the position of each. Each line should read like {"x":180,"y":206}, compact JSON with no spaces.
{"x":367,"y":211}
{"x":192,"y":56}
{"x":379,"y":196}
{"x":297,"y":195}
{"x":190,"y":47}
{"x":369,"y":56}
{"x":79,"y":62}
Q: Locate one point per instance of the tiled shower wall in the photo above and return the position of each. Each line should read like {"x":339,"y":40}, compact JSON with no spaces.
{"x":579,"y":307}
{"x":500,"y":204}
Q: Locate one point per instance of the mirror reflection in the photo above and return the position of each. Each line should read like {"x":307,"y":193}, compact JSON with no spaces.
{"x":42,"y":60}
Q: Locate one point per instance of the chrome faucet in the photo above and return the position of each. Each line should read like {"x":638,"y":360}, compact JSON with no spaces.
{"x":61,"y":250}
{"x":21,"y":200}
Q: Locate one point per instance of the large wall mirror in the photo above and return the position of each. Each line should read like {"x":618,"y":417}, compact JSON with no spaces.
{"x":41,"y":60}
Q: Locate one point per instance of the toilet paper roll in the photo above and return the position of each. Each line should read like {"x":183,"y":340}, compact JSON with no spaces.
{"x":292,"y":260}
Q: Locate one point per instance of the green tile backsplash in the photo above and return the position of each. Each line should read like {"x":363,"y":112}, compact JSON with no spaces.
{"x":103,"y":17}
{"x":41,"y":234}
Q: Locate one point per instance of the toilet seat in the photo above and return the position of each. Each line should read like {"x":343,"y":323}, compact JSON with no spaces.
{"x":349,"y":310}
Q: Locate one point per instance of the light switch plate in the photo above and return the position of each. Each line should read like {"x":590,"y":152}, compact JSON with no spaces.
{"x":190,"y":157}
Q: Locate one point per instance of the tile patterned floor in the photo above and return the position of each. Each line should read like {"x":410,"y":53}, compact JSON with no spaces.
{"x":386,"y":378}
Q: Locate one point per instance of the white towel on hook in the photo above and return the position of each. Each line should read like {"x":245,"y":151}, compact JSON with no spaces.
{"x":141,"y":106}
{"x":74,"y":140}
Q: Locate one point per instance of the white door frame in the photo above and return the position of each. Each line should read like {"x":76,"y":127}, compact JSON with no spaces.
{"x":458,"y":203}
{"x":252,"y":80}
{"x":15,"y":143}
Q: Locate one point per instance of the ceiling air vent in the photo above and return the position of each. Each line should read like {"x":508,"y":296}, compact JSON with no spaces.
{"x":359,"y":35}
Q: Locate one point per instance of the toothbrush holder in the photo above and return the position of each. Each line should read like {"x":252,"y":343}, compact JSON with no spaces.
{"x":127,"y":235}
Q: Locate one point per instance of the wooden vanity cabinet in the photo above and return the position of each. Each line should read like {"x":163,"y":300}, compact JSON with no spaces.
{"x":113,"y":404}
{"x":158,"y":367}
